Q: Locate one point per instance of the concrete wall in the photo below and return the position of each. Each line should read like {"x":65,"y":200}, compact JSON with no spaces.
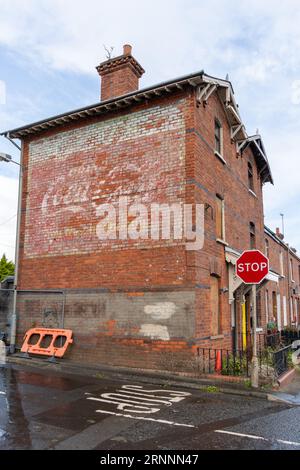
{"x":6,"y":303}
{"x":116,"y":328}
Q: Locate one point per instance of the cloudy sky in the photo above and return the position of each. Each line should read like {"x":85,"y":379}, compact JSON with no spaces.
{"x":49,"y":50}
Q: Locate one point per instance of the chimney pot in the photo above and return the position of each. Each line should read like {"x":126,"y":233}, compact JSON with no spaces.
{"x":127,"y":49}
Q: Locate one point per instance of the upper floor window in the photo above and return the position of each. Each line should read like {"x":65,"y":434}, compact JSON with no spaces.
{"x":267,"y":248}
{"x":252,"y":235}
{"x":281,"y":263}
{"x":250,"y":177}
{"x":292,"y":270}
{"x":220,"y":218}
{"x":218,"y":137}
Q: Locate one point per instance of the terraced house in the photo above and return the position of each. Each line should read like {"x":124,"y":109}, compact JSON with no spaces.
{"x":142,"y":302}
{"x":282,"y":298}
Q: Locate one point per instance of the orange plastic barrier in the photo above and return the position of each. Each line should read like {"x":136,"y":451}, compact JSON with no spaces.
{"x":54,"y":346}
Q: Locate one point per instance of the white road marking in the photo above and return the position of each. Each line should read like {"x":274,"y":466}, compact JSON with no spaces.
{"x":170,"y":392}
{"x":289,"y":442}
{"x":136,"y":399}
{"x":251,"y":436}
{"x":2,"y":393}
{"x":128,"y":403}
{"x":140,"y":399}
{"x":162,"y":421}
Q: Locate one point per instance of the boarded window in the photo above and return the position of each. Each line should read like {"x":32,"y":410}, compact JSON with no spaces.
{"x":215,"y":305}
{"x":220,"y":218}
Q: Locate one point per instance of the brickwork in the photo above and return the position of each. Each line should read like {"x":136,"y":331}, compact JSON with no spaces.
{"x":145,"y":303}
{"x":211,"y":176}
{"x":119,"y":75}
{"x":282,"y":299}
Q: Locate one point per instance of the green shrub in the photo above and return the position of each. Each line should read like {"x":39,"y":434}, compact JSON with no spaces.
{"x":267,"y":356}
{"x":234,"y":365}
{"x":289,"y":359}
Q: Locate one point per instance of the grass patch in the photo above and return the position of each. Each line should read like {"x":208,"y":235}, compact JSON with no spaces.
{"x":211,"y":389}
{"x":99,"y":375}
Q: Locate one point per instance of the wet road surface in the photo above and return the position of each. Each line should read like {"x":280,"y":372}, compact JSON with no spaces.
{"x":42,"y":409}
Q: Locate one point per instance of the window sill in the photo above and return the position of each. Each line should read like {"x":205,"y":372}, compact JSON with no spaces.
{"x":217,"y":337}
{"x":217,"y":154}
{"x":252,"y":192}
{"x":222,"y":242}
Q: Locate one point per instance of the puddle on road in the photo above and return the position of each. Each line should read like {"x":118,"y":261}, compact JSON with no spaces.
{"x":14,"y":432}
{"x":49,"y":381}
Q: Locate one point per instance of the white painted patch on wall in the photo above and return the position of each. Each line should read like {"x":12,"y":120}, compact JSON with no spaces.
{"x":155,"y":331}
{"x":160,"y":310}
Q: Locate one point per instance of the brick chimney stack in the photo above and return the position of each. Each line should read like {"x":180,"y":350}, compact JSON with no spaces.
{"x":119,"y":75}
{"x":279,"y":234}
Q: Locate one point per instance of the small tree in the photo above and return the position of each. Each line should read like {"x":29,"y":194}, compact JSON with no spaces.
{"x":7,"y":268}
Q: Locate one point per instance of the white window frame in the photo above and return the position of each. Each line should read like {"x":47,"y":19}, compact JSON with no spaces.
{"x":220,"y":153}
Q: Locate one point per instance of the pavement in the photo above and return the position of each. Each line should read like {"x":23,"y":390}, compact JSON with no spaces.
{"x":43,"y":408}
{"x":290,"y":393}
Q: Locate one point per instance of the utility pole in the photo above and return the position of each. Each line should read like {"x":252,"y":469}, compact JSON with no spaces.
{"x":13,"y":326}
{"x":254,"y":363}
{"x":282,"y":223}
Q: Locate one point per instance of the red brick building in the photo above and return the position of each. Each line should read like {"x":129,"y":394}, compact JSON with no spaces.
{"x":282,"y":298}
{"x":141,"y":302}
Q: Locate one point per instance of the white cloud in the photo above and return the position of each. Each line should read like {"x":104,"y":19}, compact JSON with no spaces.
{"x":256,"y":42}
{"x":69,"y":34}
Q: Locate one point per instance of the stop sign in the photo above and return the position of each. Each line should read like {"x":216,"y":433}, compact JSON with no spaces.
{"x":252,"y":267}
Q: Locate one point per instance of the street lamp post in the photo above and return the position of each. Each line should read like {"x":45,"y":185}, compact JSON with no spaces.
{"x":4,"y":157}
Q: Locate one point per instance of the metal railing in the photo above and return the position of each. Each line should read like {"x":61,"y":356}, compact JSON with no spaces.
{"x":288,"y":336}
{"x":232,"y":363}
{"x":281,"y":360}
{"x":272,"y":363}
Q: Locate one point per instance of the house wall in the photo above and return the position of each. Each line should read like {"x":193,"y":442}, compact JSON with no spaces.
{"x":230,"y":181}
{"x":285,"y":311}
{"x":142,"y":303}
{"x":125,"y":300}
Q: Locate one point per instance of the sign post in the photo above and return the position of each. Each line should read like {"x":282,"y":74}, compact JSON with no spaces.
{"x":252,"y":267}
{"x":254,"y":362}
